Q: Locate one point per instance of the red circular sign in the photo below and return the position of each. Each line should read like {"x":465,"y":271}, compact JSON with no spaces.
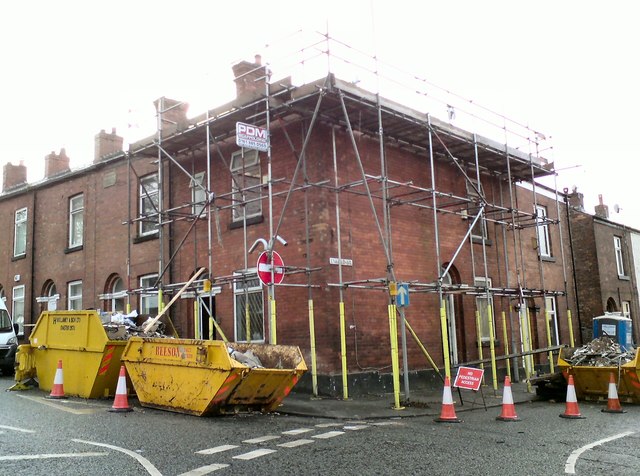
{"x":264,"y":268}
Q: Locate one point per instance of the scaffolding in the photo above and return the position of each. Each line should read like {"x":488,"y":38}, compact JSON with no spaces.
{"x":435,"y":129}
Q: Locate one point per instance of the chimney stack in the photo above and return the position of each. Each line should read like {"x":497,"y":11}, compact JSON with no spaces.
{"x":602,"y":210}
{"x":576,"y":200}
{"x":56,"y":164}
{"x":13,"y":176}
{"x":250,"y":78}
{"x":106,"y":144}
{"x":173,"y":113}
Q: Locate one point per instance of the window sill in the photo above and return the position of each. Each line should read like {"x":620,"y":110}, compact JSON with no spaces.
{"x":478,"y":240}
{"x":143,"y":238}
{"x":250,"y":221}
{"x":71,"y":250}
{"x":624,"y":278}
{"x":547,"y":259}
{"x":19,"y":257}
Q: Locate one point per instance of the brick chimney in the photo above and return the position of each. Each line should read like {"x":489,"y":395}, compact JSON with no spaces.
{"x":250,"y":78}
{"x":106,"y":144}
{"x":602,"y":210}
{"x":13,"y":176}
{"x":174,"y":114}
{"x":576,"y":200}
{"x":56,"y":164}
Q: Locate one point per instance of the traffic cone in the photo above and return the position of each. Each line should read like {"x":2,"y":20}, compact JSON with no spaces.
{"x":448,"y":412}
{"x":121,"y":403}
{"x":571,"y":408}
{"x":57,"y":391}
{"x":508,"y":408}
{"x":613,"y":403}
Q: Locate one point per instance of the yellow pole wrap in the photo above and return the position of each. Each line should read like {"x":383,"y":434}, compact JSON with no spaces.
{"x":128,"y":307}
{"x":547,"y":318}
{"x":219,"y":329}
{"x":393,"y":333}
{"x":343,"y":352}
{"x":196,"y":327}
{"x":445,"y":341}
{"x":506,"y":342}
{"x":492,"y":346}
{"x":273,"y":322}
{"x":570,"y":328}
{"x":211,"y":328}
{"x":312,"y":337}
{"x":422,"y":347}
{"x":479,"y":338}
{"x":529,"y":358}
{"x":160,"y":302}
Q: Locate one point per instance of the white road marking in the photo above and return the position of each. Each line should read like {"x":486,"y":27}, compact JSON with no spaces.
{"x":295,"y":443}
{"x":297,"y":431}
{"x":262,"y":439}
{"x":328,"y":434}
{"x":151,"y":469}
{"x":216,"y":449}
{"x":13,"y":428}
{"x":388,"y":423}
{"x":355,"y":427}
{"x":328,"y":425}
{"x":59,"y":406}
{"x":204,"y":470}
{"x":254,"y":454}
{"x":570,"y":465}
{"x":51,"y":455}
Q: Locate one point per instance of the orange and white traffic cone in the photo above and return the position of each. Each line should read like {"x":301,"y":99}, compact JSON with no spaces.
{"x":121,"y":403}
{"x":448,"y":412}
{"x":613,"y":403}
{"x":571,"y":408}
{"x":508,"y":408}
{"x":57,"y":391}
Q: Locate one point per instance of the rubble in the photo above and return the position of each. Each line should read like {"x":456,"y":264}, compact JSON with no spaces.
{"x":600,"y":352}
{"x":120,"y":326}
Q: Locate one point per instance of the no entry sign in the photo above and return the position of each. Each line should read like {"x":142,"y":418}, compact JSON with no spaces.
{"x":264,"y":268}
{"x":469,"y":378}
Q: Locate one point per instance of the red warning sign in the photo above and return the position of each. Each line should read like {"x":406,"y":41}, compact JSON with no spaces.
{"x":468,"y":378}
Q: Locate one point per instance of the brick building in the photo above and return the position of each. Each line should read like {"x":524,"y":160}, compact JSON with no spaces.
{"x":606,"y":265}
{"x":364,"y":191}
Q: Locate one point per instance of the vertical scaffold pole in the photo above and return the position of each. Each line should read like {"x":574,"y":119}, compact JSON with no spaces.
{"x":343,"y":338}
{"x":506,"y":342}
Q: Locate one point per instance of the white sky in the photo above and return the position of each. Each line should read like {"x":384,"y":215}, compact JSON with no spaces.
{"x":566,"y":68}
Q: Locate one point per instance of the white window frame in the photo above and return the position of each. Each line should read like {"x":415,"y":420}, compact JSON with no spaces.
{"x":148,"y":199}
{"x":551,"y":312}
{"x":76,"y":220}
{"x":626,"y":309}
{"x":198,"y":193}
{"x":50,"y":297}
{"x":17,"y":307}
{"x":617,"y":245}
{"x":256,"y":298}
{"x":542,"y":230}
{"x":74,"y":298}
{"x":20,"y":232}
{"x":148,"y":300}
{"x":243,"y":171}
{"x":481,"y":307}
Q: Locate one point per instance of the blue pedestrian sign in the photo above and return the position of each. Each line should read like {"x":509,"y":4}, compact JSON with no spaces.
{"x":403,"y":295}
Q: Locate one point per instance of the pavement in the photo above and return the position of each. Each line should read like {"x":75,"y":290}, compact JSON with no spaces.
{"x":422,"y":402}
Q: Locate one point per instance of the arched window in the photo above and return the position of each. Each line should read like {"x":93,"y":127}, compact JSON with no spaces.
{"x":115,"y":295}
{"x":611,"y":305}
{"x":49,"y":296}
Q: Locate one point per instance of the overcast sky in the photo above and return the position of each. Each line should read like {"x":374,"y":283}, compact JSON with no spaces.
{"x":566,"y":68}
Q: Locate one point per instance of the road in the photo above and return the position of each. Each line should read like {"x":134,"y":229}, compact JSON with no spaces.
{"x":80,"y":437}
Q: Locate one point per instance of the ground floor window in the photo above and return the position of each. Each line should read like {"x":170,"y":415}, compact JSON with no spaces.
{"x":249,"y":307}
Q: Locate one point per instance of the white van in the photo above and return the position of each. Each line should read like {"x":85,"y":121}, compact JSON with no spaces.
{"x":8,"y":341}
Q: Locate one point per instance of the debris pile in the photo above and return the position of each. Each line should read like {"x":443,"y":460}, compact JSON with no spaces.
{"x":247,"y":358}
{"x":600,"y":352}
{"x":120,"y":326}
